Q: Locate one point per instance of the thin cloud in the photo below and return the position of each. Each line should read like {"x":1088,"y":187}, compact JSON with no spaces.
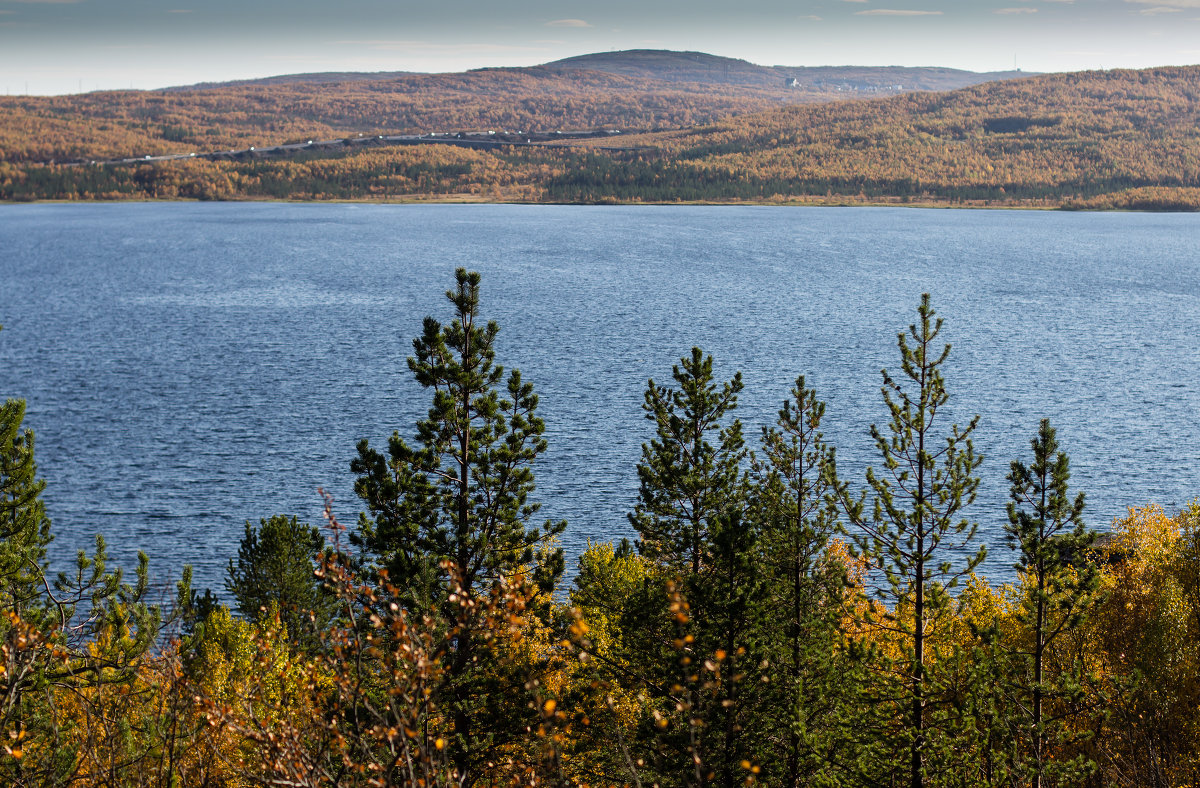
{"x":1176,"y":4}
{"x":854,"y":1}
{"x":45,"y":2}
{"x":811,"y":18}
{"x":896,"y":12}
{"x":1161,"y":9}
{"x":1023,"y":10}
{"x":179,"y":11}
{"x":568,"y":23}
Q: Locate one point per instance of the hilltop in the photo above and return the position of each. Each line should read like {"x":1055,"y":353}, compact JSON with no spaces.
{"x":317,"y":78}
{"x":699,"y":67}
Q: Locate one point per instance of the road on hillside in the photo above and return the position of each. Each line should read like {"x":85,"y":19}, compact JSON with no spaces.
{"x":488,"y":139}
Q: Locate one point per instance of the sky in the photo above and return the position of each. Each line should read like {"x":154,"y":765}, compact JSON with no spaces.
{"x":69,"y":46}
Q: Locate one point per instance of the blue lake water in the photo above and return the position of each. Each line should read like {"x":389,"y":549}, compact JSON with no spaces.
{"x":191,"y":366}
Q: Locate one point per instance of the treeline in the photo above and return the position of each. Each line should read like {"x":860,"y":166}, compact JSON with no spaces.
{"x":1153,"y":198}
{"x":774,"y":623}
{"x":405,"y":172}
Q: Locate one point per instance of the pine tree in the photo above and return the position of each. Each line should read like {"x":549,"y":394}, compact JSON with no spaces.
{"x":794,"y":500}
{"x":24,"y":526}
{"x":916,"y":523}
{"x":275,"y":573}
{"x":460,"y":495}
{"x":688,"y":482}
{"x":693,"y":525}
{"x":1046,"y":527}
{"x":733,"y":624}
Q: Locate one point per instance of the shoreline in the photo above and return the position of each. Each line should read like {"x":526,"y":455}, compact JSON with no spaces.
{"x":466,"y":200}
{"x":470,"y":200}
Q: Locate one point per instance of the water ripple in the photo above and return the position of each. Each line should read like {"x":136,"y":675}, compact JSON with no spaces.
{"x":192,"y":366}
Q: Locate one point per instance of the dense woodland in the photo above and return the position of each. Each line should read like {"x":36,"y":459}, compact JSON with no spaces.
{"x":626,"y":90}
{"x":773,"y":624}
{"x":134,"y":123}
{"x":1115,"y":139}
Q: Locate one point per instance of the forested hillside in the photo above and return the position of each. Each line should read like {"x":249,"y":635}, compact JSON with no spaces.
{"x":131,"y":124}
{"x":1115,"y":139}
{"x":627,"y":90}
{"x":1056,"y":139}
{"x":112,"y":124}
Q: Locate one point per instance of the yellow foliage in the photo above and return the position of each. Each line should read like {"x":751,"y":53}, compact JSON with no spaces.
{"x":1146,"y":641}
{"x":1143,"y":617}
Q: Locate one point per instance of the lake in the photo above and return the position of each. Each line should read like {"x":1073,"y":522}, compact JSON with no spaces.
{"x":191,"y":366}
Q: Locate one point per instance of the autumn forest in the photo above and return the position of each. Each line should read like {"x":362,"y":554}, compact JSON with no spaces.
{"x":1091,"y":140}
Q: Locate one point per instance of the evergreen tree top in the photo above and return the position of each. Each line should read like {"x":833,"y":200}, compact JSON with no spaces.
{"x":461,"y":491}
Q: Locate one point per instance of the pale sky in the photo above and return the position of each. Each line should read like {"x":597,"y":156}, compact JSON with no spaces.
{"x":63,"y":46}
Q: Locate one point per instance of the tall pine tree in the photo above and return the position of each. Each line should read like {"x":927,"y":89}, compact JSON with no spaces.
{"x":917,"y":524}
{"x":1046,"y":528}
{"x":690,"y":472}
{"x":793,"y":499}
{"x":693,"y":524}
{"x":24,"y":526}
{"x":461,"y":495}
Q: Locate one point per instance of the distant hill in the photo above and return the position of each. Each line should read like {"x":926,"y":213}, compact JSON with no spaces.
{"x":638,"y":90}
{"x":1126,"y":139}
{"x":671,"y":66}
{"x":1104,"y":139}
{"x":316,"y":78}
{"x":699,"y":67}
{"x":267,"y":112}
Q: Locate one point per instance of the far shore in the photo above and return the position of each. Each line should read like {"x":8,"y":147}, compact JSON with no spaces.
{"x":840,"y":202}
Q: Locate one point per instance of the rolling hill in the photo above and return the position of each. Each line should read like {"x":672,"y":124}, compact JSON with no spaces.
{"x":1093,"y":139}
{"x":702,"y":68}
{"x":638,"y":90}
{"x":1111,"y":139}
